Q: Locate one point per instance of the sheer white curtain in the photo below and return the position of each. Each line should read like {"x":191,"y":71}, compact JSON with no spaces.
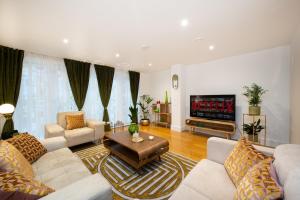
{"x":120,"y":99}
{"x":93,"y":106}
{"x":45,"y":90}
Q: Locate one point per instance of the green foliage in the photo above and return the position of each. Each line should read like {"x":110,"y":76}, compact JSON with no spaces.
{"x":145,"y":105}
{"x":133,"y":114}
{"x":133,"y":127}
{"x":253,"y":128}
{"x":254,"y":94}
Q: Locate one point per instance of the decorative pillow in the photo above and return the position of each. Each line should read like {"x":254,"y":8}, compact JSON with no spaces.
{"x":29,"y":146}
{"x":259,"y":183}
{"x":74,"y":121}
{"x":11,"y":160}
{"x":15,"y":186}
{"x":241,"y":159}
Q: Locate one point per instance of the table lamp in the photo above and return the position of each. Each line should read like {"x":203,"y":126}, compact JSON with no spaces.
{"x":7,"y":110}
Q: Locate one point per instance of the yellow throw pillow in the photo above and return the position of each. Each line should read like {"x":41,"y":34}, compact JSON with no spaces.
{"x":29,"y":146}
{"x":259,"y":183}
{"x":11,"y":160}
{"x":74,"y":121}
{"x":241,"y":159}
{"x":15,"y":186}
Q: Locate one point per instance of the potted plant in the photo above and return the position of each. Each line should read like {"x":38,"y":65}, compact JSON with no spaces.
{"x":145,"y":105}
{"x":254,"y":94}
{"x":133,"y":127}
{"x":253,"y":129}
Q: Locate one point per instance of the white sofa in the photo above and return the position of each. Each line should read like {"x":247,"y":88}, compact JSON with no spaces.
{"x":209,"y":179}
{"x":63,"y":171}
{"x":93,"y":132}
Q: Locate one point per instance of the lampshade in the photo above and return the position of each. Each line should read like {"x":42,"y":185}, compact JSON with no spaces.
{"x":7,"y":108}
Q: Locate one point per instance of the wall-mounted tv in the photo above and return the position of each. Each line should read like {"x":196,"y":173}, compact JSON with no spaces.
{"x":219,"y":107}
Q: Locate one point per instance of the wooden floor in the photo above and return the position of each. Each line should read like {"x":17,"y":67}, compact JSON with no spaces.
{"x":188,"y":144}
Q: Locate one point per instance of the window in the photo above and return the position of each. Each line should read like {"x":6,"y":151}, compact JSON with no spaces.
{"x":45,"y":91}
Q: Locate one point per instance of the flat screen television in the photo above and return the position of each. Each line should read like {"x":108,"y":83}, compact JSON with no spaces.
{"x":219,"y":107}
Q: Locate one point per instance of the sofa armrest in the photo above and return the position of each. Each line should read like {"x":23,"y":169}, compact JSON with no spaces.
{"x":53,"y":130}
{"x":98,"y":126}
{"x":52,"y":144}
{"x":94,"y":187}
{"x":218,"y":149}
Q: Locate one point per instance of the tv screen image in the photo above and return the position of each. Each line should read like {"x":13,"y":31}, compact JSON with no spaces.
{"x":219,"y":107}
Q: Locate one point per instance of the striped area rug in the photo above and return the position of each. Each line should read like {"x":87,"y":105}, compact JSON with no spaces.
{"x":156,"y":180}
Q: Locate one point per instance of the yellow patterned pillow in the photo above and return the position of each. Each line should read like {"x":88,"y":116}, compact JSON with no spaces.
{"x":29,"y":146}
{"x":259,"y":183}
{"x":11,"y":160}
{"x":241,"y":159}
{"x":74,"y":121}
{"x":15,"y":186}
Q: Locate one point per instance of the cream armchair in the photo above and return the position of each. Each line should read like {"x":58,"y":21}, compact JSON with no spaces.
{"x":92,"y":132}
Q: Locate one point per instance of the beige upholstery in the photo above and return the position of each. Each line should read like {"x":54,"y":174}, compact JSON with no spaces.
{"x":94,"y":130}
{"x":63,"y":171}
{"x":209,"y":179}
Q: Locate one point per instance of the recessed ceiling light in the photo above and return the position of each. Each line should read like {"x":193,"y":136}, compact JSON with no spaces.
{"x":150,"y":64}
{"x":65,"y":41}
{"x":117,"y":55}
{"x":184,"y":22}
{"x":211,"y":47}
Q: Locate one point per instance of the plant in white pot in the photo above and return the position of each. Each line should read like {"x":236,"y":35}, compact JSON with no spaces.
{"x":254,"y":94}
{"x":145,"y":105}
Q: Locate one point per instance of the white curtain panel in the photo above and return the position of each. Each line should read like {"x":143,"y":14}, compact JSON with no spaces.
{"x":45,"y":90}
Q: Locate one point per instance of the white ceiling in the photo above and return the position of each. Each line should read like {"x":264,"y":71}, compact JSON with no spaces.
{"x":98,"y":29}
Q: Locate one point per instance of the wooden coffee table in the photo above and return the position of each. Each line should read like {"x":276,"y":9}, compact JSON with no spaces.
{"x":135,"y":154}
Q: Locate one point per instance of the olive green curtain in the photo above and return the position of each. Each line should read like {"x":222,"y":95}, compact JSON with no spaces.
{"x":11,"y":63}
{"x":79,"y":75}
{"x":134,"y":78}
{"x":105,"y":76}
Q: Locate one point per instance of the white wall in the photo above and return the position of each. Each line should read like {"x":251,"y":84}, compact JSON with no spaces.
{"x":269,"y":68}
{"x":295,"y":89}
{"x":156,"y":84}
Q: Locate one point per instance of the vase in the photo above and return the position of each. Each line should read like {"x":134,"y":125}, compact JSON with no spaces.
{"x":254,"y":110}
{"x":253,"y":138}
{"x":145,"y":122}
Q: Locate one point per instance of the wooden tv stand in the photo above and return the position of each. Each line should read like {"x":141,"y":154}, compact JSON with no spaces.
{"x":224,"y":127}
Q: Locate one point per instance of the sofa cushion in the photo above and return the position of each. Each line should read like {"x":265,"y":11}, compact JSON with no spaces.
{"x":59,"y":168}
{"x":79,"y":136}
{"x":185,"y":192}
{"x":259,"y":183}
{"x":61,"y":117}
{"x":291,"y":186}
{"x":75,"y":121}
{"x":211,"y":180}
{"x":241,"y":159}
{"x":287,"y":159}
{"x":29,"y":146}
{"x":11,"y":160}
{"x":15,"y":186}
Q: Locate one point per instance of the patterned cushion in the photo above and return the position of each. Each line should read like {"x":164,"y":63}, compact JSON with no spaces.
{"x":74,"y":121}
{"x":259,"y":183}
{"x":241,"y":159}
{"x":15,"y":186}
{"x":11,"y":160}
{"x":29,"y":146}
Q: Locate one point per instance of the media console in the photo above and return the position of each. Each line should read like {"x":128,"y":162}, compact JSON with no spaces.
{"x":227,"y":128}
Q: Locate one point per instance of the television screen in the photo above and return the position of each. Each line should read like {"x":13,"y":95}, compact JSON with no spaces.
{"x":220,"y":107}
